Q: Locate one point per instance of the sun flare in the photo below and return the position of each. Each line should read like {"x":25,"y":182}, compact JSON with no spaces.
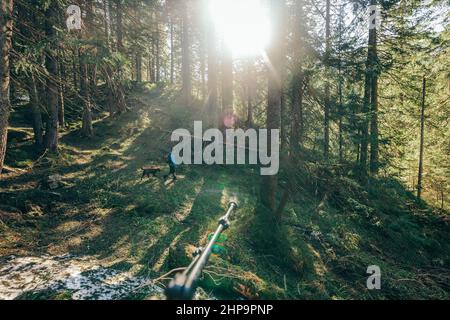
{"x":243,"y":24}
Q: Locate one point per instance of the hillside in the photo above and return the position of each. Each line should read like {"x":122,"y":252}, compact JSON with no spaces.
{"x":102,"y":215}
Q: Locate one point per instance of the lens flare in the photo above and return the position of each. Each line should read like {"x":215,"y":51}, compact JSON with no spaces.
{"x":243,"y":24}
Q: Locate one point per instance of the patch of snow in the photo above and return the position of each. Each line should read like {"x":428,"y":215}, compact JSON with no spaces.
{"x":84,"y":277}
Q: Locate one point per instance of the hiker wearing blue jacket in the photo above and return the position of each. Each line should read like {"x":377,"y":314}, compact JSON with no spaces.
{"x":172,"y":166}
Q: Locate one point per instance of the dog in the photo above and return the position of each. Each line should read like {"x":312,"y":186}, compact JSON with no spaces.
{"x":150,"y":171}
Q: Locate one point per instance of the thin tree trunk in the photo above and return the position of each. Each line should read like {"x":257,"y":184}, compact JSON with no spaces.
{"x":186,"y":56}
{"x":422,"y":138}
{"x":138,"y":67}
{"x":340,"y":129}
{"x":75,"y":69}
{"x":61,"y":90}
{"x":6,"y":28}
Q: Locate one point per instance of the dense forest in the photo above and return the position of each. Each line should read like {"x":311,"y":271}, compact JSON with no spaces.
{"x":91,"y":91}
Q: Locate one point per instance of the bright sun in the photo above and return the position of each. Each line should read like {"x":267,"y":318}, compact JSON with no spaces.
{"x":243,"y":24}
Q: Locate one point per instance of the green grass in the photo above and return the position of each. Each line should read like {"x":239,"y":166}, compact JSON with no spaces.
{"x":104,"y":209}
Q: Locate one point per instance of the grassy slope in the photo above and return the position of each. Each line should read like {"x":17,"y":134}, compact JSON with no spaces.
{"x":105,"y":210}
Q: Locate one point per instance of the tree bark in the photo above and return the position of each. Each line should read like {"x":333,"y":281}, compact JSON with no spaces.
{"x":422,"y":138}
{"x":6,"y":28}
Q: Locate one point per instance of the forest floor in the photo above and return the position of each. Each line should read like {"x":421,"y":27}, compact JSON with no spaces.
{"x":112,"y":232}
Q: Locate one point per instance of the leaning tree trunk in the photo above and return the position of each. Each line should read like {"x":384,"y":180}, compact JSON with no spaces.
{"x":422,"y":138}
{"x":6,"y":27}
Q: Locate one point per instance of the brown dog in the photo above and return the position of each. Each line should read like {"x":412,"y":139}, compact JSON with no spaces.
{"x":150,"y":171}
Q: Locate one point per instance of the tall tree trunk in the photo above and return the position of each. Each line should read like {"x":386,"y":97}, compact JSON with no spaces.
{"x":138,"y":67}
{"x":6,"y":28}
{"x":149,"y":68}
{"x":422,"y":138}
{"x":158,"y":56}
{"x":374,"y":143}
{"x":340,"y":114}
{"x":269,"y":184}
{"x":119,"y":26}
{"x":340,"y":87}
{"x":212,"y":76}
{"x":106,"y":21}
{"x":75,"y":69}
{"x":202,"y":57}
{"x":85,"y":87}
{"x":297,"y":80}
{"x":370,"y":86}
{"x":283,"y":76}
{"x":86,"y":128}
{"x":365,"y":122}
{"x":186,"y":56}
{"x":51,"y":64}
{"x":172,"y":52}
{"x":326,"y":146}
